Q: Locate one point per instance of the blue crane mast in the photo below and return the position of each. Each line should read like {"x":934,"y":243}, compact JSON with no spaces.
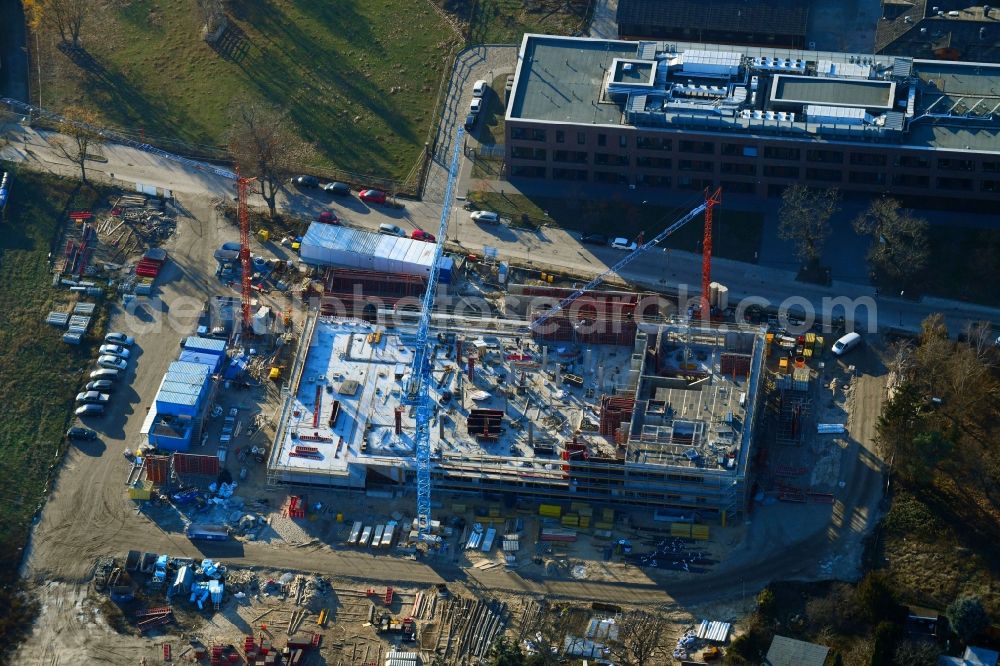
{"x":418,"y":389}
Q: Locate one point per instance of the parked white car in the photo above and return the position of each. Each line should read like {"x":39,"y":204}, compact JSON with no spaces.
{"x":92,"y":396}
{"x":112,"y":362}
{"x":114,"y":350}
{"x":119,"y":339}
{"x":624,"y":244}
{"x":487,"y":216}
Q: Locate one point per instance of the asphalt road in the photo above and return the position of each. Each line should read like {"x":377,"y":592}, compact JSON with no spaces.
{"x":548,"y":248}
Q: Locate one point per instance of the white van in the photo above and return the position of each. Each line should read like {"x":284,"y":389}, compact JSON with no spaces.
{"x":479,"y":88}
{"x":846,"y":344}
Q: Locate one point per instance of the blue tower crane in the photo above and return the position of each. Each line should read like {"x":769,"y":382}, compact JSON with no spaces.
{"x":418,"y":390}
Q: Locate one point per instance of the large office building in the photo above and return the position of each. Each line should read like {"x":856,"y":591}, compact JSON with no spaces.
{"x":687,"y":116}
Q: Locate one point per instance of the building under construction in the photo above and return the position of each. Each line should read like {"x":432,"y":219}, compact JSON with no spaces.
{"x":660,"y":415}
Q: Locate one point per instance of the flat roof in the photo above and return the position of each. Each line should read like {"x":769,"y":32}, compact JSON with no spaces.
{"x":557,"y":83}
{"x":833,"y":92}
{"x":926,"y":104}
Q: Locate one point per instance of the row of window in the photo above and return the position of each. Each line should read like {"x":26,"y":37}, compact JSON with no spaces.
{"x":748,"y":187}
{"x":817,"y":155}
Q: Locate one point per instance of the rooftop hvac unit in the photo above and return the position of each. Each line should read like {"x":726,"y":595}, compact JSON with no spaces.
{"x":770,"y":115}
{"x":758,"y":115}
{"x":791,"y":117}
{"x":782,"y":115}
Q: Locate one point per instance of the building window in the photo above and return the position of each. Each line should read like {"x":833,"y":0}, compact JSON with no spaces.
{"x":825,"y":156}
{"x":737,"y":187}
{"x":581,"y":138}
{"x":738,"y":149}
{"x":906,"y":180}
{"x":775,"y":171}
{"x":697,"y":147}
{"x":686,"y":183}
{"x":610,"y":159}
{"x":610,"y":177}
{"x":866,"y":178}
{"x":623,"y":141}
{"x":653,"y":143}
{"x":602,"y":139}
{"x":912,"y":162}
{"x":571,"y":156}
{"x":560,"y":136}
{"x":650,"y":162}
{"x":868,"y":159}
{"x":569,"y":174}
{"x":527,"y":134}
{"x":739,"y":169}
{"x":527,"y":172}
{"x":990,"y":186}
{"x":962,"y":184}
{"x":653,"y":181}
{"x":695,"y":165}
{"x":781,"y":153}
{"x":825,"y":175}
{"x":991,"y":167}
{"x":947,"y":164}
{"x":527,"y":153}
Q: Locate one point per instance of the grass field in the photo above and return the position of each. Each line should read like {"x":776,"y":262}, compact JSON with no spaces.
{"x":737,"y":234}
{"x":964,"y":264}
{"x":358,"y":79}
{"x":40,"y":374}
{"x":505,"y":21}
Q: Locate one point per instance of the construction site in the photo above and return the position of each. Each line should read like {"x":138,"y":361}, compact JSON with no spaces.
{"x":665,"y":420}
{"x":333,"y":462}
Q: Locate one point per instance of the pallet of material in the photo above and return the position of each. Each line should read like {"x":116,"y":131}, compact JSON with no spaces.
{"x":57,"y":319}
{"x":84,"y":308}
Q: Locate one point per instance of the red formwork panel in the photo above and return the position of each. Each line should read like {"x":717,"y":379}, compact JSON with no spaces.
{"x":196,"y":465}
{"x":157,"y":469}
{"x":607,"y":317}
{"x":734,"y":364}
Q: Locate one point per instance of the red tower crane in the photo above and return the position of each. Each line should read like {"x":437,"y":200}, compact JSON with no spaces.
{"x":711,"y":200}
{"x":242,"y":189}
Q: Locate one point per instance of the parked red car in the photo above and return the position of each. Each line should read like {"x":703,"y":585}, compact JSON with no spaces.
{"x":328,"y":217}
{"x":420,"y":234}
{"x":372,"y":196}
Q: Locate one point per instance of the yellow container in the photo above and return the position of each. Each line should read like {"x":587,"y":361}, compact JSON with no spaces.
{"x":769,"y":338}
{"x":807,"y":352}
{"x":608,"y":515}
{"x":604,"y":525}
{"x":570,"y":521}
{"x":340,"y":517}
{"x":295,"y":246}
{"x":699,"y":532}
{"x":549,"y":510}
{"x":584,"y":521}
{"x":810,"y":338}
{"x":264,"y":234}
{"x":783,"y":365}
{"x":274,"y":374}
{"x":139,"y":493}
{"x":680,"y":530}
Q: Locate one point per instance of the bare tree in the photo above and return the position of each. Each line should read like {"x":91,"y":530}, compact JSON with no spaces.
{"x":263,"y":147}
{"x":78,"y":137}
{"x":899,"y":246}
{"x":66,"y":16}
{"x":213,"y":17}
{"x":804,"y":218}
{"x":639,"y":637}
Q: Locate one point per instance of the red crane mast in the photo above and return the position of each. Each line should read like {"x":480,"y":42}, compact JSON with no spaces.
{"x":243,"y":212}
{"x":711,"y":200}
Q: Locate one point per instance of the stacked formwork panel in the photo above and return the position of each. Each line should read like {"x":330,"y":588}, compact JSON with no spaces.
{"x":614,"y":412}
{"x":350,"y":292}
